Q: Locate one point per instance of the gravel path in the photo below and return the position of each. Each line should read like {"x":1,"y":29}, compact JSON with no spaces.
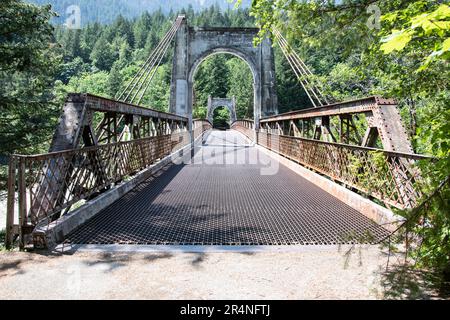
{"x":314,"y":273}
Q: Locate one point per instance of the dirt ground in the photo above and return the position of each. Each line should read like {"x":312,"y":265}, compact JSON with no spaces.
{"x":302,"y":273}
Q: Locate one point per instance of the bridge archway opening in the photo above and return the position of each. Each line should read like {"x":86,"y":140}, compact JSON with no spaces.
{"x":223,"y":77}
{"x":221,"y":118}
{"x":194,"y":44}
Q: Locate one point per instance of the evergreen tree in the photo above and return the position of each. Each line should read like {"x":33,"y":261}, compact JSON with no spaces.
{"x":29,"y":60}
{"x":114,"y":84}
{"x":141,"y":30}
{"x":103,"y":54}
{"x":89,"y":37}
{"x":240,"y":83}
{"x":122,"y":28}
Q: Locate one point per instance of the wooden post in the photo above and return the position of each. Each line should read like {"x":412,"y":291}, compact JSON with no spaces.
{"x":22,"y":202}
{"x":10,"y":202}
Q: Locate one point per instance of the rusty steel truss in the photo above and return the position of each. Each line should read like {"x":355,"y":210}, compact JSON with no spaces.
{"x":367,"y":122}
{"x":86,"y":158}
{"x":378,"y":163}
{"x":388,"y":176}
{"x":246,"y":127}
{"x":89,"y":120}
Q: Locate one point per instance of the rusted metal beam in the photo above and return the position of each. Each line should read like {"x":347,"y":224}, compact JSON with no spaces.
{"x":378,"y":113}
{"x":108,"y":105}
{"x":395,"y":181}
{"x":348,"y":107}
{"x":246,"y":127}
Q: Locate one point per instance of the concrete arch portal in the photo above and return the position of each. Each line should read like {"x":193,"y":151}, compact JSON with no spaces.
{"x":214,"y":103}
{"x":193,"y":45}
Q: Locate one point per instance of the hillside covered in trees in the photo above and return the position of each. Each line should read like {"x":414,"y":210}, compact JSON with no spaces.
{"x":106,"y":11}
{"x":102,"y":58}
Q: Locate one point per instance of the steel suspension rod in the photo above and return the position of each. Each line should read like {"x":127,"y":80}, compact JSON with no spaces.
{"x":137,"y":82}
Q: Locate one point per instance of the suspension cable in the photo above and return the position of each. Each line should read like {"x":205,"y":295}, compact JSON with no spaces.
{"x":156,"y":62}
{"x":149,"y":67}
{"x":299,"y":77}
{"x":302,"y":71}
{"x":298,"y":70}
{"x":141,"y":70}
{"x":305,"y":70}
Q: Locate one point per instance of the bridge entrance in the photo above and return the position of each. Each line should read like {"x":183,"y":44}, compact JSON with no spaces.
{"x":213,"y":201}
{"x":228,"y":103}
{"x":222,"y":199}
{"x":193,"y":45}
{"x":221,"y":119}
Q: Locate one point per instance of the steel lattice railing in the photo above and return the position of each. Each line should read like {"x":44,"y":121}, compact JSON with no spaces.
{"x":246,"y":127}
{"x":199,"y":126}
{"x":48,"y":185}
{"x":390,"y":177}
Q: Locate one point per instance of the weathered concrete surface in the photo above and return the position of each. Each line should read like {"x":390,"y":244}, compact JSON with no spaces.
{"x":193,"y":45}
{"x":307,"y":274}
{"x":214,"y":103}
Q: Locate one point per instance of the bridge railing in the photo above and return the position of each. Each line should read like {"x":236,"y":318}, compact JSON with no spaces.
{"x":391,"y":177}
{"x":246,"y":127}
{"x":47,"y":186}
{"x":199,"y":126}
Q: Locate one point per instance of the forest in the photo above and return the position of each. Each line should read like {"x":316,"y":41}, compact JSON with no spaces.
{"x":396,"y":48}
{"x":105,"y":11}
{"x":102,"y":58}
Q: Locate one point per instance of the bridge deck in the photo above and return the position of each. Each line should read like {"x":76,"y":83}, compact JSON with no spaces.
{"x":225,"y":199}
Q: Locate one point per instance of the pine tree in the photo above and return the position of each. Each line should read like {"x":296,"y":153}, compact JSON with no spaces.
{"x":29,"y":61}
{"x":114,"y":83}
{"x":141,"y":30}
{"x":103,"y":55}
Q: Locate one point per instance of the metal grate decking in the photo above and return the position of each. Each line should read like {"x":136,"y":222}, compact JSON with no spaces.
{"x":227,"y":202}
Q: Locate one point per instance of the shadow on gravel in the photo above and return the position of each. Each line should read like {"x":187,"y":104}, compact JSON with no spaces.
{"x":15,"y":264}
{"x":115,"y":261}
{"x":402,"y":282}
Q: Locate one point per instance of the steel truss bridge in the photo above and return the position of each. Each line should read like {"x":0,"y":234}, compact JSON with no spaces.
{"x":118,"y":172}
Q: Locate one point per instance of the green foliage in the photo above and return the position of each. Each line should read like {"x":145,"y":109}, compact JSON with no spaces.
{"x":240,"y":86}
{"x":29,"y":61}
{"x":103,"y":55}
{"x":158,"y":94}
{"x":221,"y":118}
{"x":2,"y":240}
{"x":406,"y":58}
{"x":114,"y":82}
{"x":291,"y":95}
{"x":426,"y":25}
{"x":95,"y":83}
{"x":373,"y":181}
